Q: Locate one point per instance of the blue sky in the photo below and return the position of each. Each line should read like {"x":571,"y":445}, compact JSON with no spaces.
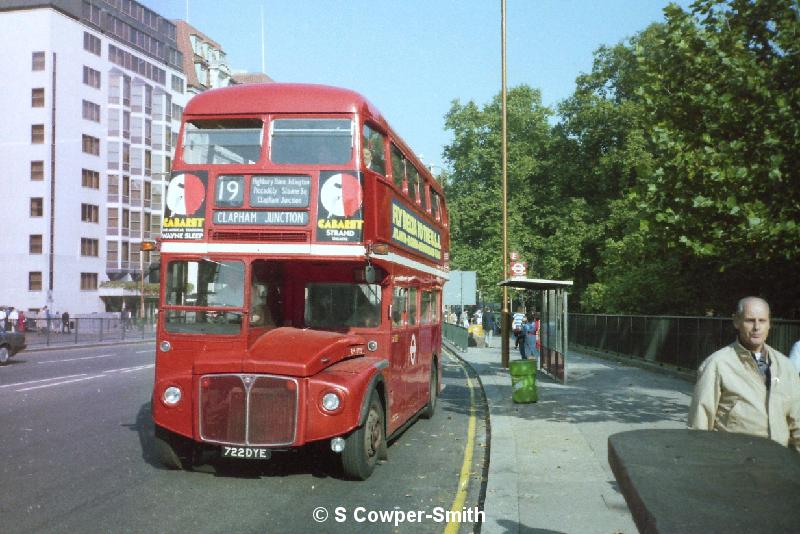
{"x":412,"y":58}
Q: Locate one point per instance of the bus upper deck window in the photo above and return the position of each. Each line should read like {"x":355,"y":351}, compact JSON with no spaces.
{"x":374,"y":152}
{"x":223,"y":141}
{"x":311,"y":141}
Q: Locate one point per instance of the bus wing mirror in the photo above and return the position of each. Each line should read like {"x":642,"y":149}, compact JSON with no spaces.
{"x":369,"y":274}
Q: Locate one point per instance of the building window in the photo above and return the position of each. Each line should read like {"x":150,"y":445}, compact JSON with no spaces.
{"x":37,"y":134}
{"x":35,"y":244}
{"x":177,"y":112}
{"x":91,"y":111}
{"x":126,"y":124}
{"x":91,"y":77}
{"x":113,"y":221}
{"x":177,"y":84}
{"x":114,"y":88}
{"x":91,"y":145}
{"x":112,"y":254}
{"x":37,"y":97}
{"x":37,"y":61}
{"x":126,"y":156}
{"x":35,"y":281}
{"x":90,"y":213}
{"x":88,"y":281}
{"x":155,"y":223}
{"x":90,"y":247}
{"x":91,"y":43}
{"x":91,"y":13}
{"x":37,"y":171}
{"x":90,"y":179}
{"x":37,"y":207}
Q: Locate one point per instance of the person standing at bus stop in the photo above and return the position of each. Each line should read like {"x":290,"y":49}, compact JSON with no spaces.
{"x":488,"y":326}
{"x":516,"y":326}
{"x":748,"y":387}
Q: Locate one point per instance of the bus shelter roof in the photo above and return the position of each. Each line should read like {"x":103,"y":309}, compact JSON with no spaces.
{"x":536,"y":283}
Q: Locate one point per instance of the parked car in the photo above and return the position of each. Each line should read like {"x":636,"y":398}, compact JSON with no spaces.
{"x":10,"y":344}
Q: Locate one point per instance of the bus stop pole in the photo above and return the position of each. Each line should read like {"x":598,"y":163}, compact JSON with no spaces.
{"x":504,"y":315}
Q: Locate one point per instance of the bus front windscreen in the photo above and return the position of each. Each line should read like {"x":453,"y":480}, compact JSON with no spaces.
{"x":214,"y":285}
{"x":221,"y":142}
{"x":311,"y":141}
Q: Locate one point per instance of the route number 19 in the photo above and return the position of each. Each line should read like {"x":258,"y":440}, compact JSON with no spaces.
{"x":230,"y":191}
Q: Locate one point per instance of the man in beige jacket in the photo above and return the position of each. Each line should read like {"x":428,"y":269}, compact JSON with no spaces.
{"x":748,"y":387}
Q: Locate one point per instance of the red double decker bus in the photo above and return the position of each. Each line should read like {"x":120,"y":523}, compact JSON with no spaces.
{"x":303,"y":252}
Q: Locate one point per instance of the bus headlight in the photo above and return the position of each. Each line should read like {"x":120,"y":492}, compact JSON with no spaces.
{"x":372,"y":345}
{"x":337,"y":444}
{"x":171,"y":396}
{"x":331,"y":402}
{"x":165,"y":346}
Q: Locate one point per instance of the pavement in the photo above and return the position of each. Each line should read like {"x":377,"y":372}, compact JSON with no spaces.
{"x":548,"y":467}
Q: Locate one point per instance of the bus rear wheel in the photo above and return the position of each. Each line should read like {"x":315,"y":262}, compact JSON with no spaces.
{"x":433,"y":391}
{"x":366,"y":444}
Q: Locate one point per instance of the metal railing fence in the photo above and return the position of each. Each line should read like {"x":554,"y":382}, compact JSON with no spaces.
{"x":457,"y":335}
{"x":681,"y":341}
{"x":82,"y":330}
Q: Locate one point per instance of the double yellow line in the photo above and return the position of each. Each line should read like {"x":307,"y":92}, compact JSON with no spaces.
{"x":466,"y":466}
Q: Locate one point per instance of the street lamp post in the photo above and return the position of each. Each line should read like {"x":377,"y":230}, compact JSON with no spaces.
{"x":504,"y":315}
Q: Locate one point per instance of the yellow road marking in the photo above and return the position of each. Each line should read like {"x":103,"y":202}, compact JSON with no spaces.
{"x":463,"y":480}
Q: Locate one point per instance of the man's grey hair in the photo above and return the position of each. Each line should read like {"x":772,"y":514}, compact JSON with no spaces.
{"x":743,"y":302}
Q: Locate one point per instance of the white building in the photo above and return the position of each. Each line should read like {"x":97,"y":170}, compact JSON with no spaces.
{"x":92,"y":96}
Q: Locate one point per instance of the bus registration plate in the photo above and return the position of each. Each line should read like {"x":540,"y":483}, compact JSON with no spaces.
{"x":247,"y":453}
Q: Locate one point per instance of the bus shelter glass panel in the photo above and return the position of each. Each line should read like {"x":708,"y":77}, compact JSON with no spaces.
{"x":311,"y":141}
{"x":220,"y":142}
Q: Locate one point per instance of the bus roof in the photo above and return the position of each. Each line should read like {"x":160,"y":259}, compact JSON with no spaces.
{"x":258,"y":98}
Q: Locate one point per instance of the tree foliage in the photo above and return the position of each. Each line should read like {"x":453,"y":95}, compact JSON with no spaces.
{"x":670,"y":182}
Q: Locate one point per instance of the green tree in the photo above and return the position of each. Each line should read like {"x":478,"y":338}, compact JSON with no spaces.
{"x":712,"y":211}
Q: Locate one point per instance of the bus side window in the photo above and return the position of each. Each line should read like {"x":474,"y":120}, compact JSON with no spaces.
{"x":424,"y":195}
{"x":435,"y":205}
{"x":399,"y":305}
{"x":413,"y":183}
{"x":398,"y":168}
{"x":412,"y":306}
{"x":373,"y":148}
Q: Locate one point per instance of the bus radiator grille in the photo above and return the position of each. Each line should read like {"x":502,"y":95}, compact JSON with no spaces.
{"x":255,"y":410}
{"x":256,"y":237}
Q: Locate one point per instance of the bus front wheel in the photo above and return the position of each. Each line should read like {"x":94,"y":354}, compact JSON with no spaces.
{"x":172,"y":451}
{"x":366,"y":444}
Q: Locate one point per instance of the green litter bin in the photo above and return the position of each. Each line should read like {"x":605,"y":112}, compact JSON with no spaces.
{"x":523,"y":381}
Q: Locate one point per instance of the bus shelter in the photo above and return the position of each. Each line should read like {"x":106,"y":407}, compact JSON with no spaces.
{"x":553,"y":315}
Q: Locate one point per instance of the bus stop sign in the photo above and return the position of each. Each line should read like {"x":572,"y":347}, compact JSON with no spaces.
{"x":519,"y":269}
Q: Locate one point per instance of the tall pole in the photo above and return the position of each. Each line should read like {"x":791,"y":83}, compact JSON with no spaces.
{"x":141,"y":270}
{"x":505,"y":314}
{"x":263,"y":49}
